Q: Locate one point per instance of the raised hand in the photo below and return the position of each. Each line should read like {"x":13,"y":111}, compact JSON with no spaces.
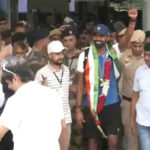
{"x":132,"y":13}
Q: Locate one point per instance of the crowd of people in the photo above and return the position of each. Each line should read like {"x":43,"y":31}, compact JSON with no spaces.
{"x":101,"y":72}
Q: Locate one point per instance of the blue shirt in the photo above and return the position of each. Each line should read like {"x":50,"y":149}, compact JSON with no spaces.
{"x":112,"y":96}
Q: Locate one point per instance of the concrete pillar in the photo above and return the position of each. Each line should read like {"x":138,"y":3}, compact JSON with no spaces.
{"x":146,"y":12}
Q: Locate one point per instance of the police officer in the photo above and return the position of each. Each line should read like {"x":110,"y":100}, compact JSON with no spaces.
{"x":130,"y":60}
{"x":39,"y":40}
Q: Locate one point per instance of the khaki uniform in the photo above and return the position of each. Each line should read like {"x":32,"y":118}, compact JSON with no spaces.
{"x":72,"y":64}
{"x":36,"y":60}
{"x":129,"y":65}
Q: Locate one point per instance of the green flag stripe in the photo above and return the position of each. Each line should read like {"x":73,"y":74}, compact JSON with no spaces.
{"x":114,"y":57}
{"x":96,"y":78}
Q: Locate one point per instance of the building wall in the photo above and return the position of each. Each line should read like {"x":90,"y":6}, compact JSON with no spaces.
{"x":60,"y":6}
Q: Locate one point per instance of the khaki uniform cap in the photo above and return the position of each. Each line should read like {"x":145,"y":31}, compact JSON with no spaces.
{"x":138,"y":36}
{"x":55,"y":32}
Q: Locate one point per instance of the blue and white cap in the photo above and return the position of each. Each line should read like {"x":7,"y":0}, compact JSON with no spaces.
{"x":101,"y":29}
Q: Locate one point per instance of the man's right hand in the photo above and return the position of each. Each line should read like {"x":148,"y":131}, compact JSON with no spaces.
{"x":79,"y":118}
{"x":132,"y":126}
{"x":44,"y":81}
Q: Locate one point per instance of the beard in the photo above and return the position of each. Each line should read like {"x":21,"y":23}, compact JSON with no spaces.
{"x":58,"y":62}
{"x":99,"y":45}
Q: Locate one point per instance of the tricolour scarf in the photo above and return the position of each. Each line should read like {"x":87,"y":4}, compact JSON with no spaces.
{"x":92,"y":79}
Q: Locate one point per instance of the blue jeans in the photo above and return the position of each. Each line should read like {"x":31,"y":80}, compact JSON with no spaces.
{"x":144,"y":134}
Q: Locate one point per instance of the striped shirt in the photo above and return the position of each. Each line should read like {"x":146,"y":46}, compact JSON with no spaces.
{"x":58,"y":80}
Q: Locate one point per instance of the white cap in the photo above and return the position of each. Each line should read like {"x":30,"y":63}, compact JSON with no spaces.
{"x":55,"y":47}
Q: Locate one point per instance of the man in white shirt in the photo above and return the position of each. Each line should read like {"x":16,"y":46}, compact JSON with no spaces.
{"x":1,"y":92}
{"x":140,"y":107}
{"x":56,"y":76}
{"x":36,"y":121}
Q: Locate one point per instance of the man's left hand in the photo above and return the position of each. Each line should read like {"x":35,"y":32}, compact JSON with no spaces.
{"x":132,"y":13}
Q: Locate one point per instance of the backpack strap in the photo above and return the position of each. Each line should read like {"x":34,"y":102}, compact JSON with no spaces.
{"x":86,"y":52}
{"x":85,"y":56}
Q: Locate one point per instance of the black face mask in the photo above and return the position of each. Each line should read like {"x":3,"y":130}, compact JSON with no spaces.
{"x":99,"y":45}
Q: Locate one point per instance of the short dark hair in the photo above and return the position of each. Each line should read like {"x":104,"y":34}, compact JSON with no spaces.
{"x":6,"y":34}
{"x":16,"y":66}
{"x":147,"y":47}
{"x":18,"y":37}
{"x":22,"y":45}
{"x":22,"y":24}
